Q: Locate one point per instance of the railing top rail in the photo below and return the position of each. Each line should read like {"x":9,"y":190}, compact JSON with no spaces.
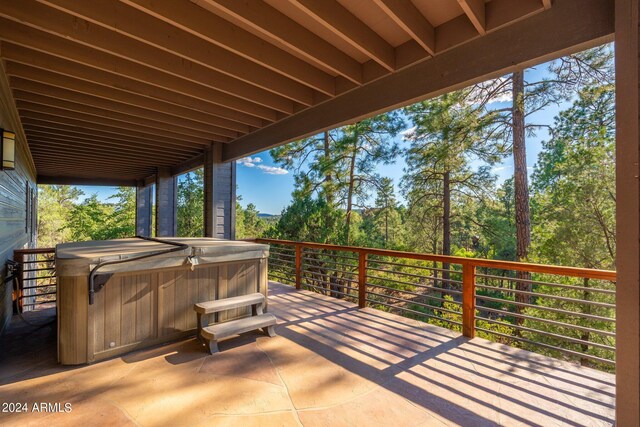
{"x":34,"y":251}
{"x":477,"y":262}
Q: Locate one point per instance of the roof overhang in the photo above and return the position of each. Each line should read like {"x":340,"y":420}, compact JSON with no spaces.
{"x":111,"y":90}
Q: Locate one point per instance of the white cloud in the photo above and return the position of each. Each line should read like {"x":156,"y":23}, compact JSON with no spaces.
{"x":272,"y":170}
{"x":249,"y":162}
{"x":254,"y":162}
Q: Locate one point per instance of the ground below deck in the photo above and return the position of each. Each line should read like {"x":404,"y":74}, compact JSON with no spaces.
{"x":330,"y":365}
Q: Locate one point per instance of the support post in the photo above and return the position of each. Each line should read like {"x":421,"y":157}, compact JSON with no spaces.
{"x":298,"y":266}
{"x":219,"y":194}
{"x":468,"y":300}
{"x":166,"y":204}
{"x":362,"y":279}
{"x":143,"y":210}
{"x":627,"y":213}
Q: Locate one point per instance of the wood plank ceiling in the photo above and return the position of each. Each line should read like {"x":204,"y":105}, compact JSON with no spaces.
{"x":108,"y":88}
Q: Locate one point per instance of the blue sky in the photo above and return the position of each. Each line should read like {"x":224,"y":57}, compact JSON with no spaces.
{"x":263,"y":183}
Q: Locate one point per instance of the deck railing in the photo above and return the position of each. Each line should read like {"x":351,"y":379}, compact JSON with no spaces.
{"x":564,"y":312}
{"x":35,"y":278}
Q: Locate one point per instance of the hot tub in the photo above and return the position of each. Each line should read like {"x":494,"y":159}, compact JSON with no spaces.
{"x":149,"y":301}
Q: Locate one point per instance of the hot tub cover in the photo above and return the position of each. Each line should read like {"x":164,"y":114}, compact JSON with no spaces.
{"x":78,"y":258}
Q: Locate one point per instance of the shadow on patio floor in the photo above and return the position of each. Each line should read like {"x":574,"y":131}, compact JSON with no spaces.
{"x":331,"y":364}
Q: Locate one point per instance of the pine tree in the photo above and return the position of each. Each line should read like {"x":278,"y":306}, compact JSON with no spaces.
{"x":191,"y":204}
{"x":450,"y":131}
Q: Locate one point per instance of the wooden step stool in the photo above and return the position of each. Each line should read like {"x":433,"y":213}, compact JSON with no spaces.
{"x":209,"y":335}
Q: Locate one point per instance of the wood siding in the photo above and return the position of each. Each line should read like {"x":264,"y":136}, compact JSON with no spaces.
{"x":166,"y":203}
{"x":17,"y":225}
{"x":219,"y":195}
{"x":144,"y":210}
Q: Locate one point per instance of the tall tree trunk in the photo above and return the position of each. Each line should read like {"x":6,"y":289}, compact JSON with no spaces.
{"x":352,"y":168}
{"x":386,"y":226}
{"x":521,"y":186}
{"x":446,"y":225}
{"x":328,"y":177}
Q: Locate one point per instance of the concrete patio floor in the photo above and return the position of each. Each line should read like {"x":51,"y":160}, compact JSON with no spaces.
{"x":330,"y":365}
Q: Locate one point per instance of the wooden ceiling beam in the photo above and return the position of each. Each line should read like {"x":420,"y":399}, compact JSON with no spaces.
{"x":48,"y":82}
{"x":53,"y":153}
{"x":99,"y":106}
{"x":28,"y":100}
{"x":475,"y":11}
{"x":188,"y":165}
{"x":223,"y":89}
{"x":234,"y":119}
{"x":27,"y":109}
{"x":101,"y":136}
{"x":57,"y":119}
{"x":336,"y":18}
{"x":47,"y":164}
{"x":64,"y":149}
{"x":569,"y":26}
{"x":54,"y":177}
{"x":501,"y":13}
{"x":53,"y":138}
{"x":71,"y":180}
{"x":407,"y":16}
{"x":192,"y":19}
{"x":122,"y":30}
{"x":273,"y":25}
{"x":156,"y":151}
{"x":53,"y":159}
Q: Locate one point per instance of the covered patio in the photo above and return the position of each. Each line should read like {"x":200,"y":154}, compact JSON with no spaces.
{"x":331,"y":364}
{"x":137,"y":92}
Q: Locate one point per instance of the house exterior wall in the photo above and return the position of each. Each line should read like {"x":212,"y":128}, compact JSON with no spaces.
{"x":18,"y":201}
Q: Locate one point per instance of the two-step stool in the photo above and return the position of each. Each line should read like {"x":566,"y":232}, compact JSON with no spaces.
{"x":210,"y":335}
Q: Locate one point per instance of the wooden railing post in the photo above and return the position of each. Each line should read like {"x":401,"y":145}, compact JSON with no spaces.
{"x":468,"y":300}
{"x":298,"y":266}
{"x":362,"y":279}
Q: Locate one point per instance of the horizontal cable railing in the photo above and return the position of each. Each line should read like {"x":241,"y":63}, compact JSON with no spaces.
{"x":563,"y":312}
{"x":35,"y":278}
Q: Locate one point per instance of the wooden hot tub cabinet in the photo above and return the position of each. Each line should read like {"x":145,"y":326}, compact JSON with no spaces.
{"x":145,"y":303}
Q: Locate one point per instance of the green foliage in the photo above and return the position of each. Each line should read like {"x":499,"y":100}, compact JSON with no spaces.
{"x":449,"y":133}
{"x":55,"y":204}
{"x":575,"y":184}
{"x":248,"y":222}
{"x":95,"y":220}
{"x":311,"y":220}
{"x":191,"y":204}
{"x":61,"y":218}
{"x":340,"y":166}
{"x":123,"y":221}
{"x":572,"y":207}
